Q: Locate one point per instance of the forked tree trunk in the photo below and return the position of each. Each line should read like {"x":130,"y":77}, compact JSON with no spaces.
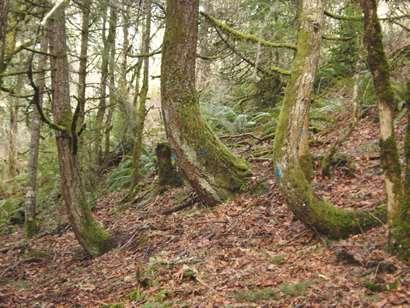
{"x":31,"y":225}
{"x":318,"y":214}
{"x":143,"y":95}
{"x":211,"y":169}
{"x":92,"y":237}
{"x":398,"y":203}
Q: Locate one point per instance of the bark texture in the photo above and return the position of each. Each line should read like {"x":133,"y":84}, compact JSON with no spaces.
{"x":3,"y":23}
{"x":82,"y":71}
{"x":211,"y":169}
{"x":143,"y":95}
{"x":102,"y":107}
{"x":318,"y":214}
{"x":398,"y":203}
{"x":31,"y":225}
{"x":92,"y":237}
{"x":167,"y":173}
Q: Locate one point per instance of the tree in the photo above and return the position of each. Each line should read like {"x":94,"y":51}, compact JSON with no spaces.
{"x":82,"y":71}
{"x":318,"y":214}
{"x":92,"y":237}
{"x":31,"y":225}
{"x":143,"y":95}
{"x":102,"y":107}
{"x":3,"y":26}
{"x":398,"y":199}
{"x":211,"y":169}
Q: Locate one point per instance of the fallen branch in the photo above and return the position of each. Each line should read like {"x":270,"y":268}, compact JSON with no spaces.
{"x":188,"y":202}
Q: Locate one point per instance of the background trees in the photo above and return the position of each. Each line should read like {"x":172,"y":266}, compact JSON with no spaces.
{"x":222,"y":81}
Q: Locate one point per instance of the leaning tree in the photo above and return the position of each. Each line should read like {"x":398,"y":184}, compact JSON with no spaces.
{"x":289,"y":169}
{"x":92,"y":237}
{"x":397,"y":188}
{"x":211,"y":169}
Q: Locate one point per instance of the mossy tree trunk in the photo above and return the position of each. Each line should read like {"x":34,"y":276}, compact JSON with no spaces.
{"x":143,"y":95}
{"x":318,"y":214}
{"x":211,"y":169}
{"x":31,"y":225}
{"x":113,"y":92}
{"x":12,"y":135}
{"x":92,"y":237}
{"x":127,"y":112}
{"x":3,"y":24}
{"x":407,"y":143}
{"x":102,"y":107}
{"x":398,"y":203}
{"x":82,"y":71}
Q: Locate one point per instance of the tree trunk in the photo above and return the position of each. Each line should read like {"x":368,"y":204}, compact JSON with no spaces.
{"x":204,"y":65}
{"x":12,"y":131}
{"x":398,"y":205}
{"x":211,"y":169}
{"x":141,"y":110}
{"x":318,"y":214}
{"x":127,"y":112}
{"x":31,"y":226}
{"x":3,"y":28}
{"x":407,"y":143}
{"x":113,"y":95}
{"x":82,"y":72}
{"x":107,"y":42}
{"x":167,"y":173}
{"x":92,"y":237}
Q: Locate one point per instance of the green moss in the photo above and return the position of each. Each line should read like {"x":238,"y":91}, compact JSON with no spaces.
{"x":296,"y":289}
{"x":256,"y":295}
{"x":374,"y":287}
{"x":390,"y":161}
{"x":135,"y":295}
{"x":31,"y":227}
{"x":306,"y":163}
{"x":117,"y":305}
{"x":277,"y":260}
{"x":212,"y":170}
{"x":400,"y":234}
{"x":227,"y":173}
{"x":322,"y":216}
{"x":97,"y":240}
{"x":245,"y":36}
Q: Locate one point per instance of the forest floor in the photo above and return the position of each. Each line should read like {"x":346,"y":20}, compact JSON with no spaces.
{"x":248,"y":252}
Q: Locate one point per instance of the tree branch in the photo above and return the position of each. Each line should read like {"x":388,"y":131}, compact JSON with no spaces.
{"x":245,"y":36}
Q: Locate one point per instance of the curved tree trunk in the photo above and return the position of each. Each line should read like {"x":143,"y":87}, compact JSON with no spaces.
{"x":31,"y":226}
{"x":318,"y":214}
{"x":211,"y":169}
{"x":92,"y":237}
{"x":398,"y":203}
